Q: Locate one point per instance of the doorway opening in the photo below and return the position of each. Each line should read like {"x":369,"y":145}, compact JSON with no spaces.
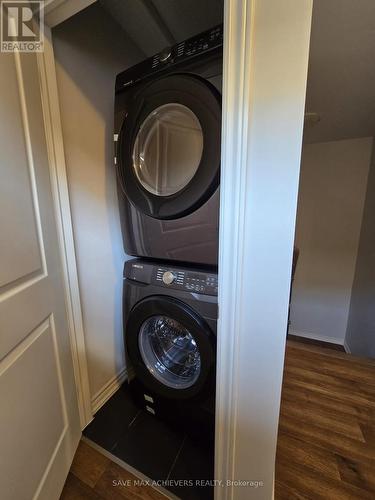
{"x":328,"y":397}
{"x":140,"y":94}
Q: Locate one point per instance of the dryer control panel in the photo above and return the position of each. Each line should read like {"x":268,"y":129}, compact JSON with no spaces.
{"x":208,"y":41}
{"x":176,"y":277}
{"x":203,"y":42}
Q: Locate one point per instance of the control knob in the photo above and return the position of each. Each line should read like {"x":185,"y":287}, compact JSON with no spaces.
{"x":169,"y":277}
{"x":165,"y":54}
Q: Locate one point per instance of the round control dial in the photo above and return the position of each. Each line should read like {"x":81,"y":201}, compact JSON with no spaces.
{"x":165,"y":54}
{"x":169,"y":277}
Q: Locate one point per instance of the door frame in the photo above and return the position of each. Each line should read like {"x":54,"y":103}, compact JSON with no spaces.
{"x":60,"y":192}
{"x":266,"y":48}
{"x":266,"y":51}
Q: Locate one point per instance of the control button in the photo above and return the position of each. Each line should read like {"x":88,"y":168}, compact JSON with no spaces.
{"x":159,"y":274}
{"x":169,"y":277}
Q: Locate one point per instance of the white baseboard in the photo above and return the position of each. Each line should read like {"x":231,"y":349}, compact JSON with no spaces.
{"x":102,"y":396}
{"x":317,"y":336}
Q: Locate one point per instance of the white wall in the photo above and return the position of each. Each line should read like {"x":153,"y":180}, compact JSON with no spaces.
{"x":360,"y":336}
{"x":90,"y":49}
{"x":331,"y":199}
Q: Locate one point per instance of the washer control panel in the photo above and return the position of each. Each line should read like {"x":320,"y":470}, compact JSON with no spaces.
{"x":186,"y":279}
{"x":175,"y":278}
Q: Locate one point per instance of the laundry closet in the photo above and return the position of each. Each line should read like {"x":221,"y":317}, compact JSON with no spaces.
{"x":122,"y":114}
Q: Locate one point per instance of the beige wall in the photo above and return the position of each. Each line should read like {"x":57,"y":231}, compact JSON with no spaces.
{"x":331,"y":199}
{"x":360,"y":335}
{"x":90,"y":50}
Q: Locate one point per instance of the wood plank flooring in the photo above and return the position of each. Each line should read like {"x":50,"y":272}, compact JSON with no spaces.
{"x":326,"y":443}
{"x":93,"y":476}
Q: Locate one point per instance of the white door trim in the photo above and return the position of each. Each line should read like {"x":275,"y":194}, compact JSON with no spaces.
{"x":237,"y":45}
{"x":55,"y":146}
{"x":266,"y":47}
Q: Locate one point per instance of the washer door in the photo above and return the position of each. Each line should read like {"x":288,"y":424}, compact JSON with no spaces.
{"x":171,"y":347}
{"x":169,"y":146}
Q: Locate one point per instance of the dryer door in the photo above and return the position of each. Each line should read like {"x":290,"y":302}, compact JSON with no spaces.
{"x":172,"y":348}
{"x":169,"y":146}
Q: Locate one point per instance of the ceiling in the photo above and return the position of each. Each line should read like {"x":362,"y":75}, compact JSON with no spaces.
{"x":341,"y":79}
{"x":155,"y":24}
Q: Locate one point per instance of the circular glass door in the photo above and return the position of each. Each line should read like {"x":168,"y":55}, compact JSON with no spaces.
{"x":168,"y":149}
{"x":169,"y":352}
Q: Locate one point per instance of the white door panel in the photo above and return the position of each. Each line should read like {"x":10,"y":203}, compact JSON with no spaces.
{"x":32,"y":430}
{"x":22,"y":309}
{"x":39,"y":421}
{"x":19,"y":247}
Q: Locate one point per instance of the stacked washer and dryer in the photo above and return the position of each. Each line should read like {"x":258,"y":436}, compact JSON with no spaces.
{"x":167,"y":156}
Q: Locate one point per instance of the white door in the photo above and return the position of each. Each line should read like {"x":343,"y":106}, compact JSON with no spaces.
{"x":39,"y":420}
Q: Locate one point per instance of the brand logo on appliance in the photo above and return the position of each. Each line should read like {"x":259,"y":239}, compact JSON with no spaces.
{"x":137,"y":266}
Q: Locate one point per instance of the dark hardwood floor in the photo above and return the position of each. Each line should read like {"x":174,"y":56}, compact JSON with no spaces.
{"x":93,"y":476}
{"x":326,"y":444}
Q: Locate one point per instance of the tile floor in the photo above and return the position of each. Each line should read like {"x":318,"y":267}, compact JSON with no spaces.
{"x":153,"y":447}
